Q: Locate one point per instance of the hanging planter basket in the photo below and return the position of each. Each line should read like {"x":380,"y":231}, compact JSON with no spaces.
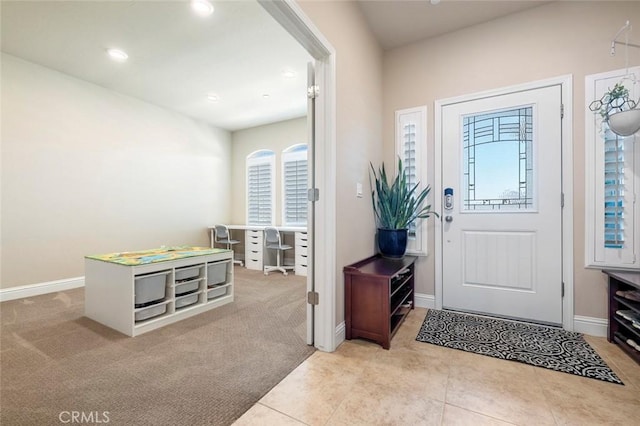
{"x":625,"y":123}
{"x":618,"y":111}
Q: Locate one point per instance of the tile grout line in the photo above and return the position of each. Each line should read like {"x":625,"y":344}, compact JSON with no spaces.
{"x":284,"y":414}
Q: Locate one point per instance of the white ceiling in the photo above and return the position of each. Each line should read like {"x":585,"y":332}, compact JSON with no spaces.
{"x":396,"y":23}
{"x":239,"y":53}
{"x":175,"y":57}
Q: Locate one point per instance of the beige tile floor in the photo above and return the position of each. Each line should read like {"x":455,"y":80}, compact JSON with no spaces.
{"x":416,"y":383}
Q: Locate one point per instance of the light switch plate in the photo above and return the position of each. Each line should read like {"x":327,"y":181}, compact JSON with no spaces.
{"x":359,"y":190}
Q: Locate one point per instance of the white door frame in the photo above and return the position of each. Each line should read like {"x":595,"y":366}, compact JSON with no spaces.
{"x":566,"y":83}
{"x":323,"y":269}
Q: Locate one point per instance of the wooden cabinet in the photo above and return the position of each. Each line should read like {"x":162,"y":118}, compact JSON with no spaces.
{"x":379,"y":293}
{"x":621,"y":329}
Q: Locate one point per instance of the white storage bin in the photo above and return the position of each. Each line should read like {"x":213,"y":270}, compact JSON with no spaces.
{"x":188,"y":287}
{"x":216,"y":292}
{"x":188,"y":273}
{"x":150,"y":288}
{"x":150,"y":312}
{"x":217,"y":273}
{"x":186,"y":301}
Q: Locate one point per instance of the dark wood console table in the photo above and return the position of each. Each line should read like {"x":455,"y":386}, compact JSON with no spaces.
{"x":379,"y":293}
{"x":621,"y":329}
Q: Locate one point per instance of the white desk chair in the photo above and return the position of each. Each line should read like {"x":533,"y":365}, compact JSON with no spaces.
{"x":272,"y":241}
{"x":222,"y":236}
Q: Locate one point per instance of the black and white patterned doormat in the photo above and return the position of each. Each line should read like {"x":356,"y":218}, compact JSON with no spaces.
{"x":541,"y":346}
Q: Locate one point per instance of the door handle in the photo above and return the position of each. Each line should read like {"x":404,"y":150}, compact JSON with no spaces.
{"x":448,"y":218}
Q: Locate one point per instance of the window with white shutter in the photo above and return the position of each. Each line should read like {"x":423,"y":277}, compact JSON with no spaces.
{"x":411,"y":126}
{"x":294,"y":185}
{"x":261,"y":188}
{"x":612,"y":163}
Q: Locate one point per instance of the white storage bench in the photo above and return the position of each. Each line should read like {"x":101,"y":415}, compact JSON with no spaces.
{"x":136,"y":292}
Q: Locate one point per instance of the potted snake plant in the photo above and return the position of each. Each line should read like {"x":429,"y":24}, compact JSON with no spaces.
{"x":396,"y":204}
{"x":618,"y":110}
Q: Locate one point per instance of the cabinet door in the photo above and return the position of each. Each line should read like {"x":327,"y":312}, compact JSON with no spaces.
{"x":369,"y":302}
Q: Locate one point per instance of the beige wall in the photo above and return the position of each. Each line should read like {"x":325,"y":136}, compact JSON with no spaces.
{"x":86,"y":170}
{"x":555,"y":39}
{"x":276,"y":137}
{"x":358,"y":127}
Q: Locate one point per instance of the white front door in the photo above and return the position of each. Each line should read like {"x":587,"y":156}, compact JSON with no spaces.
{"x":502,"y":236}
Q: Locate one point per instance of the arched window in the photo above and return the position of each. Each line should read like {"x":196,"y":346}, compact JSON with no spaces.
{"x":294,"y":185}
{"x":261,"y":187}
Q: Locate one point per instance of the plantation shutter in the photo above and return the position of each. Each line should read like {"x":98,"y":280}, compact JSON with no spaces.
{"x":409,"y":159}
{"x":612,"y":215}
{"x":410,"y":140}
{"x":614,"y":199}
{"x":295,"y":189}
{"x":260,"y":197}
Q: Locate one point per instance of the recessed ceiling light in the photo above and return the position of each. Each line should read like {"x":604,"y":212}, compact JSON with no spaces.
{"x":202,"y":7}
{"x":265,"y":96}
{"x":434,"y":2}
{"x":212,"y":97}
{"x":288,"y":74}
{"x":117,"y":55}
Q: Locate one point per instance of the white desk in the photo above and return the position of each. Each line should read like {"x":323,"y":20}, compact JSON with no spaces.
{"x":254,"y":243}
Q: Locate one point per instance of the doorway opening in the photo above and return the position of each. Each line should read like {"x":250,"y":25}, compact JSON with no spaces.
{"x":322,"y":228}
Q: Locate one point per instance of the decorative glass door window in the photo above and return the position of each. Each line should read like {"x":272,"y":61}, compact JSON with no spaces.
{"x":498,"y":170}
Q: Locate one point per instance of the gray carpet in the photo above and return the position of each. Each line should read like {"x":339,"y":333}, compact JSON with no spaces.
{"x":205,"y":370}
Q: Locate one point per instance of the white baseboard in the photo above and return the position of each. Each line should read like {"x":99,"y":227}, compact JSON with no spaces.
{"x":20,"y":292}
{"x":425,"y":301}
{"x":591,"y":326}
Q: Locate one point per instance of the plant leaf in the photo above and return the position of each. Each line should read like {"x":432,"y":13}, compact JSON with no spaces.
{"x":397,"y":205}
